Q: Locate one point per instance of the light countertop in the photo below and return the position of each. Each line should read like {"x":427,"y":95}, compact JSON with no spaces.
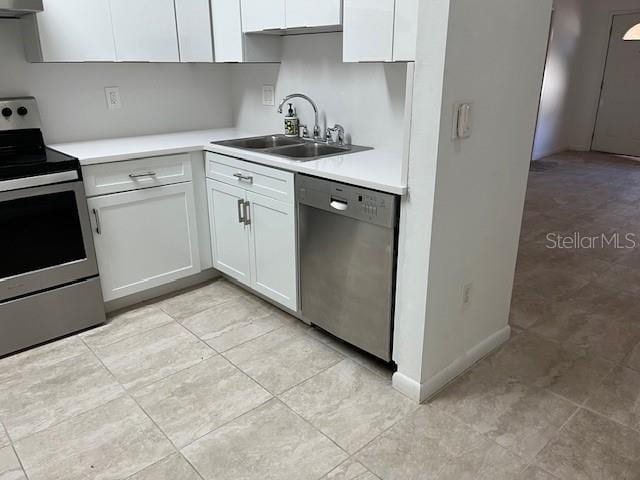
{"x":374,"y":169}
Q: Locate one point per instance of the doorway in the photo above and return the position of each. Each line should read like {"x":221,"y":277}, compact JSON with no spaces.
{"x":618,"y":121}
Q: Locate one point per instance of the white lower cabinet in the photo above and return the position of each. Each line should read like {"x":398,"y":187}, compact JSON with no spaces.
{"x":229,"y":235}
{"x":273,"y":249}
{"x":254,"y":240}
{"x":145,"y":238}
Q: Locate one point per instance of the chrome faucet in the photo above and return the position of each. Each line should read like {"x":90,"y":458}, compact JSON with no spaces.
{"x":316,"y":127}
{"x":339,"y":131}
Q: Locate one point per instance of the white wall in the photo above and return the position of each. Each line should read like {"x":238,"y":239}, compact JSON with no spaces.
{"x":156,"y":98}
{"x":367,"y":99}
{"x":416,"y":219}
{"x":467,"y":196}
{"x":554,"y":121}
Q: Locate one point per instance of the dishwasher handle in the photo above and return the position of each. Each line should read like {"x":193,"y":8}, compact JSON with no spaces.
{"x":338,"y":204}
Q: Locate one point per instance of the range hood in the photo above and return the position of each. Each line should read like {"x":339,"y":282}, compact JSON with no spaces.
{"x":18,"y":8}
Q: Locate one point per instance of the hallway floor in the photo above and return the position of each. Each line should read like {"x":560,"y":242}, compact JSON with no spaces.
{"x":214,"y":384}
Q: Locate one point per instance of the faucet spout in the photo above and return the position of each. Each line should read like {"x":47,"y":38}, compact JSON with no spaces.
{"x":316,"y":127}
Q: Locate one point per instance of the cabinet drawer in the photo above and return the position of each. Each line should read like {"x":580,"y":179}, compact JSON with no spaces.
{"x":136,"y":174}
{"x":266,"y":181}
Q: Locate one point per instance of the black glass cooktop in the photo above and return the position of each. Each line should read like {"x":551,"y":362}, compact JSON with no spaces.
{"x":24,"y":154}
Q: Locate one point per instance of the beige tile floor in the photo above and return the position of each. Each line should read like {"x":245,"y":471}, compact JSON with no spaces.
{"x":214,"y":384}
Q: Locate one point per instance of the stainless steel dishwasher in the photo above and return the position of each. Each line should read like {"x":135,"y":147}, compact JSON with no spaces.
{"x":347,"y":247}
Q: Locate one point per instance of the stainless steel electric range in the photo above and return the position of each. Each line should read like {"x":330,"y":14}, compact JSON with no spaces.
{"x":49,"y":284}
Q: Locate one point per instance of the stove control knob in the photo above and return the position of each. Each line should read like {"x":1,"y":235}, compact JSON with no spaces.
{"x":22,"y":111}
{"x":7,"y":112}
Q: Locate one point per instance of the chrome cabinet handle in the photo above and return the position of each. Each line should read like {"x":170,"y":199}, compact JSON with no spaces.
{"x":243,"y":178}
{"x":240,"y":211}
{"x":141,"y":175}
{"x":97,"y":216}
{"x":247,"y":213}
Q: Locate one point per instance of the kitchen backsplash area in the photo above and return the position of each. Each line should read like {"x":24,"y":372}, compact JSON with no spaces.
{"x":366,"y":98}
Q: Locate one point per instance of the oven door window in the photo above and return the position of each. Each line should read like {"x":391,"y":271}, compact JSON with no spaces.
{"x":39,"y":232}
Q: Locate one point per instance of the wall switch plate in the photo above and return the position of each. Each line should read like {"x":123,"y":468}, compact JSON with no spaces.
{"x":112,"y":95}
{"x":268,"y":96}
{"x":462,"y":120}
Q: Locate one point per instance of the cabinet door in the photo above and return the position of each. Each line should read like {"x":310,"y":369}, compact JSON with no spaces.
{"x":273,"y":249}
{"x":227,"y":30}
{"x":405,"y":31}
{"x":311,"y":13}
{"x":72,"y":31}
{"x":368,"y":30}
{"x":194,"y":30}
{"x":258,"y":15}
{"x":145,"y":238}
{"x":229,"y":234}
{"x":145,"y":30}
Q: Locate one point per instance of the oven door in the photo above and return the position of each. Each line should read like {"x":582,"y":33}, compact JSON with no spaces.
{"x":45,"y":239}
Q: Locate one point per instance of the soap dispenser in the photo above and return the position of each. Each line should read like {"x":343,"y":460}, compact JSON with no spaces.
{"x":291,"y":123}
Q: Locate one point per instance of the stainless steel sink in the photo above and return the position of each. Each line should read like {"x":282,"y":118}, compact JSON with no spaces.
{"x":297,"y":149}
{"x":261,"y":143}
{"x":311,"y":150}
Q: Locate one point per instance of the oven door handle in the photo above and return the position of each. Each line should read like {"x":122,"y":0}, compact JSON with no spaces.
{"x":96,"y":214}
{"x":38,"y":180}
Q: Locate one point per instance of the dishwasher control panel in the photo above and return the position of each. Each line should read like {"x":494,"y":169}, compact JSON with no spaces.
{"x":349,"y":200}
{"x":370,"y":203}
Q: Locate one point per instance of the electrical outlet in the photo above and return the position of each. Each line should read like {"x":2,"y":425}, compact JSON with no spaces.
{"x":112,"y":95}
{"x":467,"y":290}
{"x":268,"y":96}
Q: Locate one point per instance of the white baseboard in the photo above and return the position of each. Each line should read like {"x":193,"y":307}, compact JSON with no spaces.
{"x":407,"y":386}
{"x":422,"y":392}
{"x":549,"y":153}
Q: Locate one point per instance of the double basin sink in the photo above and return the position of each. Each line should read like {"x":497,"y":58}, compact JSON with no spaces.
{"x":297,"y":149}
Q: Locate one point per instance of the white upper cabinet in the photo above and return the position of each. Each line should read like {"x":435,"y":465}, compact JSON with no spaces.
{"x":227,"y":30}
{"x":145,"y":30}
{"x":368,"y":30}
{"x":311,"y":13}
{"x":280,"y":15}
{"x":405,"y":31}
{"x":231,"y":45}
{"x":70,"y":31}
{"x":379,"y":31}
{"x":215,"y":30}
{"x":194,"y":30}
{"x":260,"y":15}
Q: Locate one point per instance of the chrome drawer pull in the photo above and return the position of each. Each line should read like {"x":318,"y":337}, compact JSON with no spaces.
{"x":240,"y":211}
{"x":243,"y":178}
{"x":142,"y":175}
{"x":247,"y":213}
